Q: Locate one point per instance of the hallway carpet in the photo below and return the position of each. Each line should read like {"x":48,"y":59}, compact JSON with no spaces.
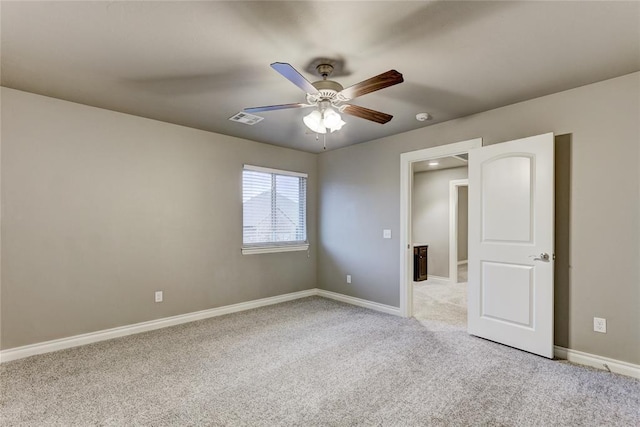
{"x":441,"y":306}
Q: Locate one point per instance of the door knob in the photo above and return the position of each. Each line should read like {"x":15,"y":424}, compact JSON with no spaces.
{"x":542,"y":257}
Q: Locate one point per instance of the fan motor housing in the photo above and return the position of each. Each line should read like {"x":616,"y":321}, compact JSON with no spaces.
{"x":322,"y":85}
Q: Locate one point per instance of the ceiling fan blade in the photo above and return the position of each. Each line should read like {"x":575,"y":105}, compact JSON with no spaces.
{"x":275,"y":107}
{"x":365,"y":113}
{"x":381,"y":81}
{"x":294,"y":76}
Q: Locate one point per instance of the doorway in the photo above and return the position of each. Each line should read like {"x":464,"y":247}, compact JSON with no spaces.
{"x":510,"y":262}
{"x":439,"y":230}
{"x":408,"y":160}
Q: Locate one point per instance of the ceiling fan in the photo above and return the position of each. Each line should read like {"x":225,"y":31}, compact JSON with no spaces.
{"x":326,"y":95}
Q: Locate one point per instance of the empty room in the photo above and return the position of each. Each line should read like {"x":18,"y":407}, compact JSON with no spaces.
{"x":265,"y":213}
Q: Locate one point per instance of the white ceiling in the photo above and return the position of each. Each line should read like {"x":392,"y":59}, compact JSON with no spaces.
{"x":198,"y":63}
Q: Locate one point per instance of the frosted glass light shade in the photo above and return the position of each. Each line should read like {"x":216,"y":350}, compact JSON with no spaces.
{"x":331,"y":118}
{"x":338,"y":126}
{"x":314,"y":122}
{"x":319,"y":121}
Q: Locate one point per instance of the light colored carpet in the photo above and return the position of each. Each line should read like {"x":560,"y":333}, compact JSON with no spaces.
{"x":463,"y":272}
{"x":306,"y":363}
{"x":439,"y":306}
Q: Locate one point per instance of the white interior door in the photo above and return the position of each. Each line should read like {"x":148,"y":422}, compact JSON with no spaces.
{"x":511,"y":218}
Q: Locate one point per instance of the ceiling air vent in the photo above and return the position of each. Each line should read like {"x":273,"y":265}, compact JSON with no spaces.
{"x":246,"y":118}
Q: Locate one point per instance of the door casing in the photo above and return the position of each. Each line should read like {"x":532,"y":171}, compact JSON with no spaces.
{"x":454,"y":186}
{"x":406,"y":182}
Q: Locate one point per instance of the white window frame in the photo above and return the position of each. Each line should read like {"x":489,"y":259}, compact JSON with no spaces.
{"x":261,"y":248}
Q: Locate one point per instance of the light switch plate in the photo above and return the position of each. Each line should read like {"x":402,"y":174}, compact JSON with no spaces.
{"x":386,"y":234}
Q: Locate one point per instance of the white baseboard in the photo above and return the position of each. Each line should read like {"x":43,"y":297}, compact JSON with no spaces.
{"x":107,"y":334}
{"x":360,"y":302}
{"x":599,"y":362}
{"x":575,"y":356}
{"x":464,"y":261}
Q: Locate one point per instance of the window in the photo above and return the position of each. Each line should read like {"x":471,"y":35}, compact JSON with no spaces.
{"x":274,"y":210}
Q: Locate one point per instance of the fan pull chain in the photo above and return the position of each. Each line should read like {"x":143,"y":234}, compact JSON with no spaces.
{"x":324,"y":140}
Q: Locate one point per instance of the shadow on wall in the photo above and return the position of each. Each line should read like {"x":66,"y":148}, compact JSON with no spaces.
{"x":562,"y":238}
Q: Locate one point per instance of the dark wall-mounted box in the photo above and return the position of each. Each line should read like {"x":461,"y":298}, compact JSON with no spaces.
{"x":420,"y":263}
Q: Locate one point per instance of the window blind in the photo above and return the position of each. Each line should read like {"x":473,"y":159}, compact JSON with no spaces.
{"x":274,"y":207}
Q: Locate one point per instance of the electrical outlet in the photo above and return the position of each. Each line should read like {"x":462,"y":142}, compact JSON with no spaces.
{"x":386,"y":234}
{"x":348,"y":278}
{"x":600,"y":325}
{"x":158,"y":296}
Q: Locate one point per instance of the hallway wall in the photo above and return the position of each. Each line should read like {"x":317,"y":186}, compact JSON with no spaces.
{"x":430,"y":215}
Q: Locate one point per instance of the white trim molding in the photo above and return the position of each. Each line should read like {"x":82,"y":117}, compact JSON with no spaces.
{"x":276,"y":171}
{"x":360,"y":302}
{"x":107,"y":334}
{"x":575,"y":356}
{"x":406,"y":181}
{"x":454,"y":186}
{"x":248,"y":250}
{"x":599,"y":362}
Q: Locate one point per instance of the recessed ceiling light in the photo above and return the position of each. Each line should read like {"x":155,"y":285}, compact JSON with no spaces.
{"x":433,"y":163}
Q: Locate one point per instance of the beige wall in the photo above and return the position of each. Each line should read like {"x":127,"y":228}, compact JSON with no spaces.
{"x":430,"y":215}
{"x":100,"y":209}
{"x":603,"y":248}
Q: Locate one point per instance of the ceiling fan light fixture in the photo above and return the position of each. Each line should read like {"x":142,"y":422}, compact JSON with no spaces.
{"x":338,"y":126}
{"x":315,"y":122}
{"x":331,"y":118}
{"x":325,"y":94}
{"x":322,"y":119}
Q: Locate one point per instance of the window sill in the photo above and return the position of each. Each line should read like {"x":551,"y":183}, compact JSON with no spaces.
{"x":274,"y":249}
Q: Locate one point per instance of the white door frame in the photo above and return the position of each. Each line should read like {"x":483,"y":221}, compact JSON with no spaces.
{"x":454,"y":186}
{"x":406,"y":182}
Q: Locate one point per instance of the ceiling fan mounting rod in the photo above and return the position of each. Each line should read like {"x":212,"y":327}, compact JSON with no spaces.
{"x":324,"y":70}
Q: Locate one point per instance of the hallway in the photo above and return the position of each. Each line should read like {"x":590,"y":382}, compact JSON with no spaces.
{"x":441,"y":306}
